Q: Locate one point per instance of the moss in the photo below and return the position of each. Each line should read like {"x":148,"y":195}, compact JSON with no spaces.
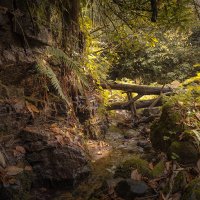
{"x":192,"y":191}
{"x":124,"y":170}
{"x":185,"y":152}
{"x":114,"y":128}
{"x":167,"y":129}
{"x":158,"y":170}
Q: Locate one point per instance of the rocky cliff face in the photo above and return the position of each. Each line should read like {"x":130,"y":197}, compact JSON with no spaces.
{"x":39,"y":109}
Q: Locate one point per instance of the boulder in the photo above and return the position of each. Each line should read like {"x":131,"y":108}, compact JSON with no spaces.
{"x":167,"y":129}
{"x":129,"y":189}
{"x":177,"y":131}
{"x":55,"y":156}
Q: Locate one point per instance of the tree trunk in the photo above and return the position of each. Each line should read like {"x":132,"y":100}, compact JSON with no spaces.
{"x":140,"y":89}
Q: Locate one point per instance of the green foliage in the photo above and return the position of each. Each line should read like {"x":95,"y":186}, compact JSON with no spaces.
{"x":44,"y":69}
{"x":170,"y":57}
{"x":159,"y":169}
{"x":122,"y":39}
{"x":69,"y":63}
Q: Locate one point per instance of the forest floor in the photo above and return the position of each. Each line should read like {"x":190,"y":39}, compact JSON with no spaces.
{"x":121,"y":143}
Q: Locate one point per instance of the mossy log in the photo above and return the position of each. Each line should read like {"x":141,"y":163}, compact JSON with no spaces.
{"x":140,"y":89}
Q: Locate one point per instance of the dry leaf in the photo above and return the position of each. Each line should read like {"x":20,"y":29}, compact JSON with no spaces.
{"x":16,"y":153}
{"x":55,"y":129}
{"x":176,"y":196}
{"x":162,"y":197}
{"x":12,"y":181}
{"x":54,"y":125}
{"x":28,"y":168}
{"x":153,"y":184}
{"x":151,"y":166}
{"x":175,"y":84}
{"x":68,"y":136}
{"x":20,"y":149}
{"x":59,"y":138}
{"x":2,"y":160}
{"x":13,"y":170}
{"x":168,"y":165}
{"x":3,"y":9}
{"x":99,"y":153}
{"x":135,"y":175}
{"x":197,"y":115}
{"x":32,"y":108}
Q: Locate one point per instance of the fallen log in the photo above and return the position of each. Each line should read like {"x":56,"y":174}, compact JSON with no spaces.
{"x":138,"y":104}
{"x":140,"y":89}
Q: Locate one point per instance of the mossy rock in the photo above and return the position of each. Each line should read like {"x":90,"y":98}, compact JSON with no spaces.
{"x":183,"y":152}
{"x":125,"y":169}
{"x":192,"y":191}
{"x":167,"y":129}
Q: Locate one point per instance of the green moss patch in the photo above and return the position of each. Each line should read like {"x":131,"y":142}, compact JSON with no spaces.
{"x":124,"y":170}
{"x":183,"y":152}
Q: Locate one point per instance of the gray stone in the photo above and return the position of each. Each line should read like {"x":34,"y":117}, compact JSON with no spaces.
{"x":129,"y":189}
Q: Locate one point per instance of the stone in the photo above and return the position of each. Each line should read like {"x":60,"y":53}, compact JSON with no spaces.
{"x":56,"y":160}
{"x":129,"y":189}
{"x":186,"y":152}
{"x":125,"y":169}
{"x":166,"y":129}
{"x":9,"y":117}
{"x":145,"y":145}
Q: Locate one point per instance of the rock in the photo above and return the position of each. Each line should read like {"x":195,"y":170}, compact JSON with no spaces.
{"x":145,"y":145}
{"x":186,"y":152}
{"x":192,"y":191}
{"x":56,"y":160}
{"x":129,"y":189}
{"x":173,"y":134}
{"x":125,"y":169}
{"x":164,"y":132}
{"x":9,"y":117}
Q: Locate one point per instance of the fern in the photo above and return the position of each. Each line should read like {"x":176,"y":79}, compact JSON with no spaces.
{"x":71,"y":64}
{"x":47,"y":71}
